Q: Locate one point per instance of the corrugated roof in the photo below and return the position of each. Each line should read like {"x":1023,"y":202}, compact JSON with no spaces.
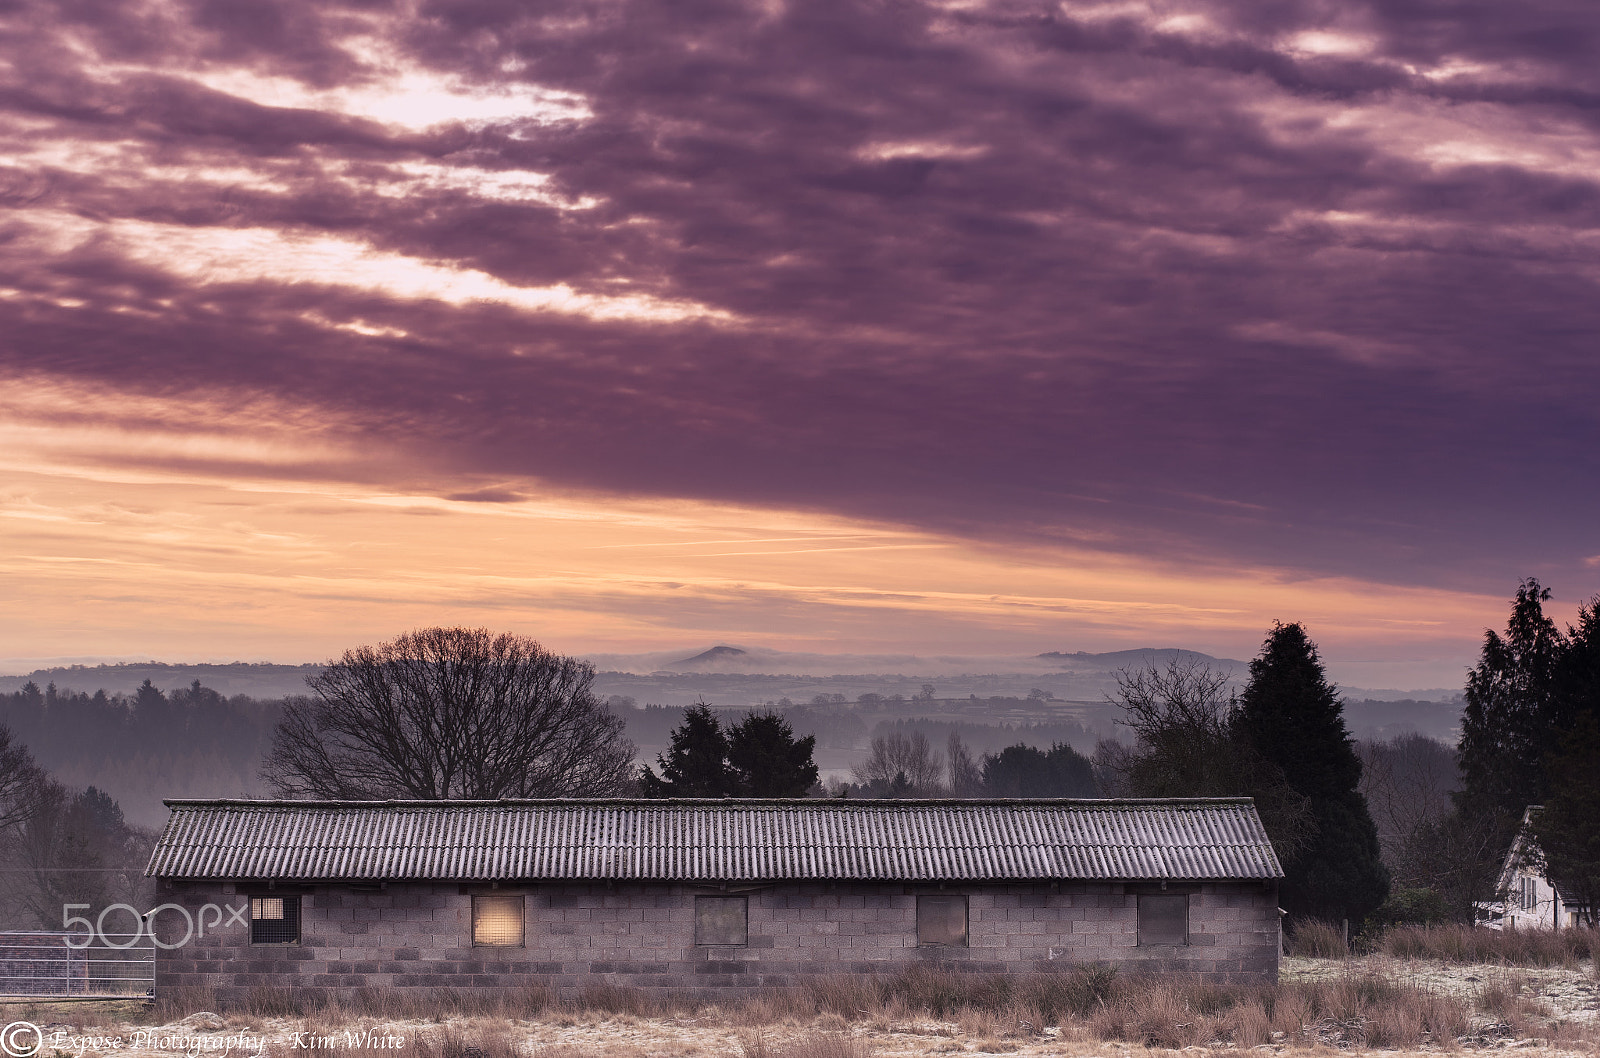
{"x":716,"y":840}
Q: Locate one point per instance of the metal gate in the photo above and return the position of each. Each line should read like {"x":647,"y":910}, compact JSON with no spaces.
{"x":39,"y":963}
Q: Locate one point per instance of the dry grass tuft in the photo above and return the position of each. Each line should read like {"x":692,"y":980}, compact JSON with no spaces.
{"x":1512,"y":1005}
{"x":1356,"y":1010}
{"x":636,"y":1002}
{"x":1248,"y":1024}
{"x":775,"y":1006}
{"x":173,"y":1004}
{"x":1509,"y":947}
{"x":1318,"y":939}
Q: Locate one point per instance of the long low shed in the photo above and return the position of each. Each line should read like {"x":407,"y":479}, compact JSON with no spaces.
{"x":710,"y":894}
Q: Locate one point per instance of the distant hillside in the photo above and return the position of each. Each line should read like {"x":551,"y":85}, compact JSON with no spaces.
{"x":1117,"y":659}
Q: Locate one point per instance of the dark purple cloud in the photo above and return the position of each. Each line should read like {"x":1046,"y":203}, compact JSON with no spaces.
{"x":1221,"y":291}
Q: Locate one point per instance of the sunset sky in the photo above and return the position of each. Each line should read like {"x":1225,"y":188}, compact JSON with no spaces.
{"x":990,"y":328}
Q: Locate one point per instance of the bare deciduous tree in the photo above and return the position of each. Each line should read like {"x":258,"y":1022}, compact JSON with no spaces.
{"x":901,"y":761}
{"x":450,"y":713}
{"x":1186,"y":745}
{"x":966,"y":777}
{"x":23,"y":784}
{"x":1407,"y":782}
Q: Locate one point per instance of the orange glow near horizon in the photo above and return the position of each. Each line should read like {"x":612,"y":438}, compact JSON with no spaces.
{"x":180,"y":566}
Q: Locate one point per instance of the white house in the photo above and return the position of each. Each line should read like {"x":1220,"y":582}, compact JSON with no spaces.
{"x":1531,"y":900}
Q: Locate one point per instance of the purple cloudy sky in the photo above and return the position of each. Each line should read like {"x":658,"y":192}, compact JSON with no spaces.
{"x":1305,"y":289}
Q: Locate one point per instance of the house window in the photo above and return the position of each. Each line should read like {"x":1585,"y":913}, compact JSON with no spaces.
{"x":497,"y":922}
{"x":722,"y":920}
{"x":1163,"y":919}
{"x":942,"y":921}
{"x":274,"y":920}
{"x":1528,"y":897}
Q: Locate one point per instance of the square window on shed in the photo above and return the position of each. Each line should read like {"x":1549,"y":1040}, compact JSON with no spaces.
{"x":1163,"y":918}
{"x":942,"y":921}
{"x":497,"y":921}
{"x":274,"y":920}
{"x":722,"y":920}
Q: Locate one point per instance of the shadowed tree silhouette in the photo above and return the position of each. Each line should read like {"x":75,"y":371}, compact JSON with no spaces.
{"x":22,"y":782}
{"x":757,"y":757}
{"x":767,"y":760}
{"x":1295,"y":719}
{"x":1023,"y":771}
{"x":696,"y":761}
{"x":1509,"y":725}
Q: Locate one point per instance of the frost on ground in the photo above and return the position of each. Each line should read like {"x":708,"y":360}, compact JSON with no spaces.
{"x":1564,"y":993}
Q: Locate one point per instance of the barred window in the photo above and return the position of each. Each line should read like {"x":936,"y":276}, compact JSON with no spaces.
{"x":1163,"y":918}
{"x":274,"y":920}
{"x":497,"y":921}
{"x":942,"y":921}
{"x":722,"y":920}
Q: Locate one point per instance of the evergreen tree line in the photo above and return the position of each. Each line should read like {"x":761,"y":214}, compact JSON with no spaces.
{"x":61,"y":843}
{"x":64,"y":726}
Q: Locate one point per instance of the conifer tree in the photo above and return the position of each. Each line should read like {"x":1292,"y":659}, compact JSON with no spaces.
{"x":1024,"y":771}
{"x":1510,"y":722}
{"x":696,"y":761}
{"x":1295,"y":719}
{"x":766,"y":760}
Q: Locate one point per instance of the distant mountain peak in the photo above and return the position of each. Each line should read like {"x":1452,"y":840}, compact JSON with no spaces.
{"x":709,"y":657}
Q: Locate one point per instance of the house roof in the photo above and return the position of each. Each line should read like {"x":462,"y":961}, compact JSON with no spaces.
{"x":716,"y":840}
{"x":1524,"y":855}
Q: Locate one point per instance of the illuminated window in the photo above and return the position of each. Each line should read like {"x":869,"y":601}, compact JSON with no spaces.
{"x":1163,"y":918}
{"x":942,"y":921}
{"x":497,"y":921}
{"x":274,"y":919}
{"x":721,"y":920}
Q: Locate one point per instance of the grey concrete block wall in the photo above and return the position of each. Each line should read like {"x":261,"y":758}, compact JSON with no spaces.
{"x":419,"y":935}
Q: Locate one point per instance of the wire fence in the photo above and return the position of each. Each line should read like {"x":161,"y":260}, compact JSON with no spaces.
{"x":43,"y":963}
